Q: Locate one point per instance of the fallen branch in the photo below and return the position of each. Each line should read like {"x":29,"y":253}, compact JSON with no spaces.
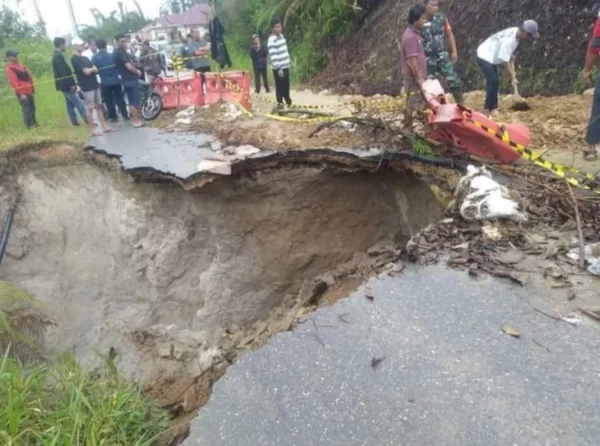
{"x":557,"y":319}
{"x":579,"y":230}
{"x":590,"y":314}
{"x":540,"y":345}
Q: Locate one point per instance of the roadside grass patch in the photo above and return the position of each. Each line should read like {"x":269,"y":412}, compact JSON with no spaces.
{"x":58,"y":403}
{"x":51,"y":115}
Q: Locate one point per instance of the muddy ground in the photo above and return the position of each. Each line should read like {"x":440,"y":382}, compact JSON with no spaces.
{"x":557,"y":124}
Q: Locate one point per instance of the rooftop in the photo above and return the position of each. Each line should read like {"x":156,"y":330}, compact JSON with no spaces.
{"x":196,"y":15}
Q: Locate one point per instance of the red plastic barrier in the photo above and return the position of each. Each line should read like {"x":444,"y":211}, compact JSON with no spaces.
{"x":475,"y":133}
{"x":235,"y":88}
{"x":180,"y":94}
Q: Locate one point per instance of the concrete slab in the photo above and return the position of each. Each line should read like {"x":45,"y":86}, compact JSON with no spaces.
{"x":449,"y":377}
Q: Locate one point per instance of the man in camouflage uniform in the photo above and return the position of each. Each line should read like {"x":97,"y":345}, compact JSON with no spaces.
{"x":440,"y":48}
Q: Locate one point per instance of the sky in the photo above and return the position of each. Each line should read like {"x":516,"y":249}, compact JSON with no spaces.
{"x":56,"y":14}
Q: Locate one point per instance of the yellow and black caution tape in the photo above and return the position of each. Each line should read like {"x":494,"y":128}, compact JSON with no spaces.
{"x":178,"y":62}
{"x":536,"y":158}
{"x":300,"y":120}
{"x":388,"y":103}
{"x":301,"y":106}
{"x":376,"y":101}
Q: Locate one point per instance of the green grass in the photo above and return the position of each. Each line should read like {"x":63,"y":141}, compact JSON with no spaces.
{"x":60,"y":404}
{"x":51,"y":115}
{"x":57,"y":402}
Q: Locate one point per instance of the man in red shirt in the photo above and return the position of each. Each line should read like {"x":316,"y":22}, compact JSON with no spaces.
{"x":592,"y":137}
{"x":21,"y":82}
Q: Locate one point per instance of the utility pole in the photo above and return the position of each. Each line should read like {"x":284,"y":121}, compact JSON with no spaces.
{"x":40,"y":18}
{"x":73,"y":21}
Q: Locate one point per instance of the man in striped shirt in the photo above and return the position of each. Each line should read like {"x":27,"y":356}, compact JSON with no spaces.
{"x":280,"y":61}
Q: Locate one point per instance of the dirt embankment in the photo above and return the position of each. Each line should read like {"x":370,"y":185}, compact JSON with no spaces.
{"x":368,"y":60}
{"x":178,"y":282}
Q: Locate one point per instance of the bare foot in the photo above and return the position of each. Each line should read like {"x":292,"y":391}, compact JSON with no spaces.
{"x":137,"y":125}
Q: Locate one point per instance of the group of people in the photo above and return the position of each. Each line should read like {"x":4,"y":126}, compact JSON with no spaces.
{"x":104,"y":79}
{"x":428,"y":50}
{"x":98,"y":78}
{"x":279,"y":55}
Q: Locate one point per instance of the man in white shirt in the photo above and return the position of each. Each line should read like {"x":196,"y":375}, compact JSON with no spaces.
{"x":280,"y":61}
{"x":497,"y":50}
{"x":90,"y":49}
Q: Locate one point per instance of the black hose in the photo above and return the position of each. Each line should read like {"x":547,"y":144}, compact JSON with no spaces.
{"x":8,"y":220}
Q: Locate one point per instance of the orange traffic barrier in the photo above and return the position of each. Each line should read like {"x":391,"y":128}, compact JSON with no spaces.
{"x":181,"y":93}
{"x":476,"y":134}
{"x":234,"y":88}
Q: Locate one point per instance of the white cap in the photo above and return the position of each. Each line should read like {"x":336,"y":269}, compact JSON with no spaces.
{"x":77,"y":41}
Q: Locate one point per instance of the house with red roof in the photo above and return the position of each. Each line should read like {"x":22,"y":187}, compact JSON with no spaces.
{"x":175,"y":27}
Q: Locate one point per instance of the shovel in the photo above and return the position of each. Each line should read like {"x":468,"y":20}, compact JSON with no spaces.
{"x":519,"y":103}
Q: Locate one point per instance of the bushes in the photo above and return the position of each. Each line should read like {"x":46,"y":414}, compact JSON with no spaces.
{"x":310,"y":26}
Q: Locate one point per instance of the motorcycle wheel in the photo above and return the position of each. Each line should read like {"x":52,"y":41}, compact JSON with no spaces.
{"x":152,"y":107}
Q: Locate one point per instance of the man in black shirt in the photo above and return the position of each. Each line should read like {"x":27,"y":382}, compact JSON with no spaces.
{"x":63,"y":79}
{"x":88,"y":82}
{"x":130,"y":77}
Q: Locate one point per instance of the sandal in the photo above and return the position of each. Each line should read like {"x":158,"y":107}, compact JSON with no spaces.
{"x":590,"y":153}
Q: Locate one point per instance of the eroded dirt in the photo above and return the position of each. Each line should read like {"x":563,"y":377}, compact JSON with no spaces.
{"x":557,"y":125}
{"x":178,"y":283}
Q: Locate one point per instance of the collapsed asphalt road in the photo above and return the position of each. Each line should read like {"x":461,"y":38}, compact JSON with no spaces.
{"x":424,"y":363}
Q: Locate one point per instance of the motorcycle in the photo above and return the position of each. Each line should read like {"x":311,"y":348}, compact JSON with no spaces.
{"x":152,"y":102}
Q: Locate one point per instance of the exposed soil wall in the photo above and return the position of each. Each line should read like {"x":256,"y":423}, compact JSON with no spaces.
{"x":161,"y":275}
{"x":368,"y":60}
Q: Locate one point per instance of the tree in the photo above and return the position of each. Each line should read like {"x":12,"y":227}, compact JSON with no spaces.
{"x":178,"y":6}
{"x":13,"y":27}
{"x":108,"y":26}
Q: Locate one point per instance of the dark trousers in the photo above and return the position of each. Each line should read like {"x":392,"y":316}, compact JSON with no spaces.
{"x":202,"y":71}
{"x":490,"y":71}
{"x":74,"y":102}
{"x":28,"y":110}
{"x":592,"y":135}
{"x":112,"y":95}
{"x":282,"y":86}
{"x":258,"y":74}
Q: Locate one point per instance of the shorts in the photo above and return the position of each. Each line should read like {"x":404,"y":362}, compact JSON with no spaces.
{"x":134,"y":94}
{"x":92,"y":98}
